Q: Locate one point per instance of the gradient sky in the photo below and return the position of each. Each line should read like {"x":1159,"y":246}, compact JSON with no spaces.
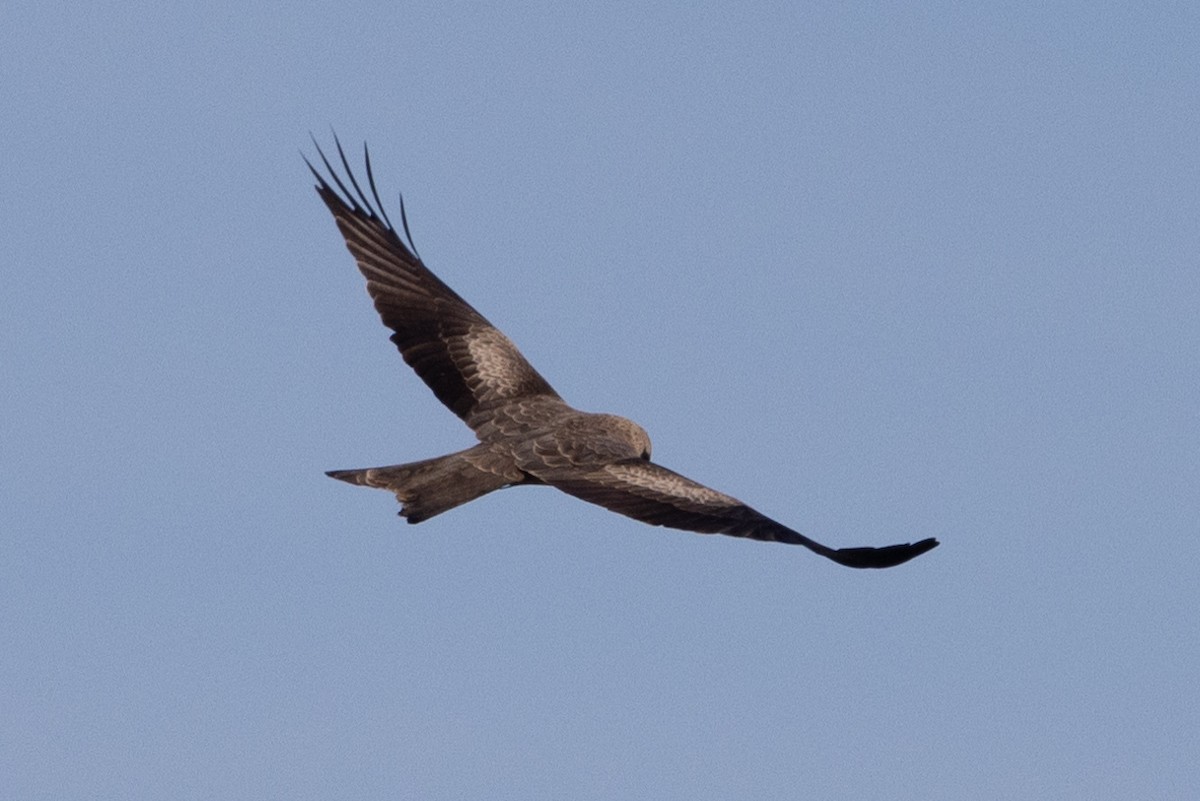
{"x":883,"y":271}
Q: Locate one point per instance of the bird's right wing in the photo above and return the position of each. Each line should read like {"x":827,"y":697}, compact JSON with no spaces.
{"x":653,"y":494}
{"x":467,"y":362}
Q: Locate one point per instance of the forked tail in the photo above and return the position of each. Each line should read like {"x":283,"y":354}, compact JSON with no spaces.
{"x":428,"y":487}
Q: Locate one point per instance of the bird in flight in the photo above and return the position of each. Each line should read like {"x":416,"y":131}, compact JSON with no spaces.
{"x":527,"y":433}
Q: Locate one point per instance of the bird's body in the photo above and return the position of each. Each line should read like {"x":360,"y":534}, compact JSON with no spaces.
{"x":527,"y":433}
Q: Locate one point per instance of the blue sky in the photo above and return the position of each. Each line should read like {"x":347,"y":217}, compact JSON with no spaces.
{"x":882,"y":272}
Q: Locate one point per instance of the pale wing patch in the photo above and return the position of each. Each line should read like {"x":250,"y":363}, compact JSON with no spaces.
{"x":499,"y":366}
{"x":670,"y":484}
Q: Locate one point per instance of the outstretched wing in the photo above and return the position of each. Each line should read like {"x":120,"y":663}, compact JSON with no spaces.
{"x":655,"y":495}
{"x":467,"y":362}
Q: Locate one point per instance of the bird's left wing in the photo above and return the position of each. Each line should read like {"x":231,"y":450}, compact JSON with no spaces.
{"x":470,"y":365}
{"x":653,"y":494}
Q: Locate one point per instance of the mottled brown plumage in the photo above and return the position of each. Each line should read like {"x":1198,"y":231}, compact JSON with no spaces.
{"x":527,"y":433}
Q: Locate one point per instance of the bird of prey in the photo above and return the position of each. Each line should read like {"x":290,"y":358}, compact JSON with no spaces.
{"x":527,"y":433}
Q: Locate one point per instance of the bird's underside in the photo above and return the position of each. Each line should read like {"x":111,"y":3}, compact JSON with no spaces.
{"x":527,"y":434}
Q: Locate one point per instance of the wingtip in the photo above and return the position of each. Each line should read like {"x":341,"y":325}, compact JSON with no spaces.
{"x":889,"y":556}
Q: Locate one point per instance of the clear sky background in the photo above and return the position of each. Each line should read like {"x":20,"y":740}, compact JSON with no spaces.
{"x":882,"y":271}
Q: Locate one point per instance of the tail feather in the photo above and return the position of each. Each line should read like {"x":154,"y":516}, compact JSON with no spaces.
{"x":431,"y":486}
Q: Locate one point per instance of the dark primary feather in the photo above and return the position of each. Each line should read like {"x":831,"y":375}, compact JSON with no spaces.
{"x":467,"y":362}
{"x":653,"y":494}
